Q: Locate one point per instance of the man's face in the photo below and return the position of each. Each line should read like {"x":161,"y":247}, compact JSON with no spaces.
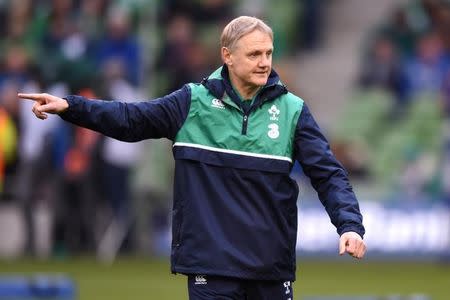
{"x":250,"y":60}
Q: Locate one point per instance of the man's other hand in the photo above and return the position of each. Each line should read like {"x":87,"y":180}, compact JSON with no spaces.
{"x":45,"y":103}
{"x":353,"y":244}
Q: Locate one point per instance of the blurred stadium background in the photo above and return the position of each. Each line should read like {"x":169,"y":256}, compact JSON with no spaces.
{"x":88,"y":217}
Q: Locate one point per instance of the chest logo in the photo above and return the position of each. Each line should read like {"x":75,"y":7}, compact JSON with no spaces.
{"x":217,"y":103}
{"x":273,"y":132}
{"x":200,"y":279}
{"x":274,"y":113}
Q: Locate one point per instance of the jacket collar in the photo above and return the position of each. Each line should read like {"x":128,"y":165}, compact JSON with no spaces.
{"x":218,"y":83}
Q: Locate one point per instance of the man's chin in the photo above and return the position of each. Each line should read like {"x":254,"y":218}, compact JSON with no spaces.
{"x":260,"y":82}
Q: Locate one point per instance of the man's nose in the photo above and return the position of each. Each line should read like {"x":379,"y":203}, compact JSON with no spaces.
{"x":264,"y":61}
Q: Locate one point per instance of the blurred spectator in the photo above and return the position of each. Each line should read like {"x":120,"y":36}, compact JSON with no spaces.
{"x":18,"y":21}
{"x":13,"y":76}
{"x":64,"y":47}
{"x":399,"y":30}
{"x":35,"y":169}
{"x":421,"y":14}
{"x":79,"y":196}
{"x":190,"y":31}
{"x":211,"y":12}
{"x":8,"y":138}
{"x":119,"y":159}
{"x":426,"y":70}
{"x":442,"y":25}
{"x":311,"y":23}
{"x":16,"y":66}
{"x":92,"y":17}
{"x":57,"y":26}
{"x":59,"y":22}
{"x":382,"y":69}
{"x":175,"y":57}
{"x":120,"y":42}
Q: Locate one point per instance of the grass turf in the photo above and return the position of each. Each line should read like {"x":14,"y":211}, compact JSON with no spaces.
{"x":138,"y":278}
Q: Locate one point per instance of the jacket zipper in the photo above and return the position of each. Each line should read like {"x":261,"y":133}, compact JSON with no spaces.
{"x":244,"y":124}
{"x":246,"y":115}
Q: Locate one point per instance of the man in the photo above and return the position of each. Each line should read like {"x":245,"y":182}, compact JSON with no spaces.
{"x":236,"y":136}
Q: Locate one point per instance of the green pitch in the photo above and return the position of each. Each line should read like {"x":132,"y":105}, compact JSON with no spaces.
{"x":139,"y":279}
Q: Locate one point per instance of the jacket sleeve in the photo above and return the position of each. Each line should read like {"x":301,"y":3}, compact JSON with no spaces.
{"x":131,"y":122}
{"x":327,"y":175}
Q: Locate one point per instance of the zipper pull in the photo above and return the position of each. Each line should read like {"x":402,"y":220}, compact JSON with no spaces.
{"x":244,"y":124}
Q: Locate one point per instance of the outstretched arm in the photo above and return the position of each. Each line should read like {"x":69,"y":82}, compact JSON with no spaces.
{"x":130,"y":122}
{"x":330,"y":180}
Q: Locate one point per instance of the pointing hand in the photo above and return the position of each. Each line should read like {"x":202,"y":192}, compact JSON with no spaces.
{"x":45,"y":103}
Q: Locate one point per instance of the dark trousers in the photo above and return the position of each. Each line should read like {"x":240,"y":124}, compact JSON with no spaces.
{"x":205,"y":287}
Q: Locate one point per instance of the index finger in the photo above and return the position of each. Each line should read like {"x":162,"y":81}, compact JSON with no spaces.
{"x":30,"y":96}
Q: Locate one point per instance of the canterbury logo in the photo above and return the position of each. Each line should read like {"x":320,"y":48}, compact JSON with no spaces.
{"x":217,"y":104}
{"x":200,"y":279}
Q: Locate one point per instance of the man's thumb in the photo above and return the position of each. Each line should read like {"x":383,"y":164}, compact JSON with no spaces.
{"x":49,"y":107}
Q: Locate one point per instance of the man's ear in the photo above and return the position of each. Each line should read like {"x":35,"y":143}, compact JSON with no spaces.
{"x":226,"y":56}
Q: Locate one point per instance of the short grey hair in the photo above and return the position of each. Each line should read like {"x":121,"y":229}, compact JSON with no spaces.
{"x":241,"y":26}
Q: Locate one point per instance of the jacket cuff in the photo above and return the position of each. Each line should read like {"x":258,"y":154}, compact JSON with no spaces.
{"x":358,"y":228}
{"x":69,"y":113}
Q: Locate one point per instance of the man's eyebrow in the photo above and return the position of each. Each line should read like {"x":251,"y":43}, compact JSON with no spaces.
{"x":259,"y":50}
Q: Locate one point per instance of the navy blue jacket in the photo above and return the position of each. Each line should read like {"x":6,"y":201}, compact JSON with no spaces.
{"x":230,"y":221}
